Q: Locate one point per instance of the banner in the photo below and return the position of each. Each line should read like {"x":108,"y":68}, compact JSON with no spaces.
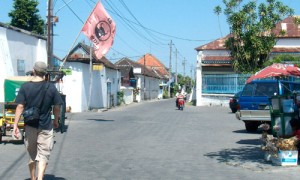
{"x":100,"y":29}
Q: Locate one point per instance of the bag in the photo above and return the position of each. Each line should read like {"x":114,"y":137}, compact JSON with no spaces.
{"x":32,"y":116}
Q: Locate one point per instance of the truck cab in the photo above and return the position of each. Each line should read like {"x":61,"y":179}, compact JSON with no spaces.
{"x":254,"y":101}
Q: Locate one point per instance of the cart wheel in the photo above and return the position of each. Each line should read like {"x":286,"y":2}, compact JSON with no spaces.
{"x":3,"y":129}
{"x":0,"y":136}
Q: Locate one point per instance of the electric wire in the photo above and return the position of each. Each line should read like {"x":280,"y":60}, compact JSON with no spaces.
{"x":73,"y":12}
{"x":140,"y":24}
{"x":134,"y":29}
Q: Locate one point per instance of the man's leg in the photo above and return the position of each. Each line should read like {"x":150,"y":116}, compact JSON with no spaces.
{"x":41,"y":169}
{"x":45,"y":144}
{"x":32,"y":170}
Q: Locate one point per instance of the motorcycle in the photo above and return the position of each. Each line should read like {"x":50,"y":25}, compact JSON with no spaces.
{"x":180,"y":103}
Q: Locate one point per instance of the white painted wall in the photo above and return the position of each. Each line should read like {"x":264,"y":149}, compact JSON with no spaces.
{"x":18,"y":45}
{"x":199,"y":79}
{"x":288,"y":42}
{"x":114,"y":76}
{"x":77,"y":87}
{"x":149,"y":89}
{"x":128,"y":94}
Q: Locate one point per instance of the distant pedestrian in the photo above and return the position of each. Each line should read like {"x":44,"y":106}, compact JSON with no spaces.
{"x":38,"y":137}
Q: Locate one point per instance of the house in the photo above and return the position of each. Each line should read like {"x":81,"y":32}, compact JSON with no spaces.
{"x":144,"y":81}
{"x":151,"y":62}
{"x":19,"y":50}
{"x":90,"y":85}
{"x":213,"y":60}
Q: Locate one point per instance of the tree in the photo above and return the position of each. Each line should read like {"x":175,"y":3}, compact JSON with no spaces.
{"x":251,"y":38}
{"x":284,"y":58}
{"x":25,"y":16}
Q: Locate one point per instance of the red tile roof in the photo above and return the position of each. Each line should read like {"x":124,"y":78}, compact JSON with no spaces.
{"x":218,"y":44}
{"x":152,"y":62}
{"x":291,"y":29}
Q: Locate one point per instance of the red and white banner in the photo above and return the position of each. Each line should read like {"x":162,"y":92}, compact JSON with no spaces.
{"x":100,"y":29}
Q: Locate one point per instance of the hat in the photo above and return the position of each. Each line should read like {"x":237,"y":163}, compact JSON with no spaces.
{"x":40,"y":67}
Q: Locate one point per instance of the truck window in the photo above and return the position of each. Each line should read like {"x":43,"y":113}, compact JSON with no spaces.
{"x":286,"y":88}
{"x":266,"y":89}
{"x":248,"y":89}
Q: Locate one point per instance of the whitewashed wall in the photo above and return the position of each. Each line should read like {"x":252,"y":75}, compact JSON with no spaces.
{"x":152,"y":90}
{"x":18,"y":45}
{"x":114,"y":76}
{"x":77,"y":87}
{"x":128,"y":94}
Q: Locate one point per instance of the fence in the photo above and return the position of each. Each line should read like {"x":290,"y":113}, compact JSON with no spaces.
{"x":223,"y":83}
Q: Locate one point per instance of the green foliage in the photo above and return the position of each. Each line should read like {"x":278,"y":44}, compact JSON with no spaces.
{"x":251,"y":39}
{"x":185,"y":81}
{"x":165,"y":94}
{"x":25,"y":16}
{"x":284,"y":58}
{"x":120,"y":96}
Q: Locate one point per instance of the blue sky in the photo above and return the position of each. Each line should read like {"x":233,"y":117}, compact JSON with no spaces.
{"x":188,"y":24}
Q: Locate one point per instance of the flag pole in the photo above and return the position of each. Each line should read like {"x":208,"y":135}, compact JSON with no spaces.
{"x":64,"y":61}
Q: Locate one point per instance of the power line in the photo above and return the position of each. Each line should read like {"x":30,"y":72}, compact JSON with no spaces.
{"x":140,"y":24}
{"x":73,"y":12}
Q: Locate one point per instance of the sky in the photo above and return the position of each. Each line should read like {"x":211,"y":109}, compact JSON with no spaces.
{"x":142,"y":26}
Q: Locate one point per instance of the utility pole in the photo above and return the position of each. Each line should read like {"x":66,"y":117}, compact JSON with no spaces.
{"x":50,"y":33}
{"x":176,"y":74}
{"x":170,"y":70}
{"x":192,"y":67}
{"x":144,"y":78}
{"x":184,"y":63}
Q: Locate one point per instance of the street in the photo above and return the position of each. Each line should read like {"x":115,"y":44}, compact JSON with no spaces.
{"x":150,"y":140}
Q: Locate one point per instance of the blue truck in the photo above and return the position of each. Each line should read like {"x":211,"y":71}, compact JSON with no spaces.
{"x":254,"y":101}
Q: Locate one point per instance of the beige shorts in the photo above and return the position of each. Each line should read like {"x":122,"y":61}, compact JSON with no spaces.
{"x":39,"y":143}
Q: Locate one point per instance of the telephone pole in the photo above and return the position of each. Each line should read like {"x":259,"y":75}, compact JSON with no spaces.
{"x":176,"y":74}
{"x":50,"y":33}
{"x":184,"y":63}
{"x":170,"y":70}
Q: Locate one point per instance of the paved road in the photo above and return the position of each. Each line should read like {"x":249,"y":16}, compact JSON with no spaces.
{"x":151,"y":140}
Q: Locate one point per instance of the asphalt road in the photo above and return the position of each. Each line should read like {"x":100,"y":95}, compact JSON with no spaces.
{"x":150,"y":140}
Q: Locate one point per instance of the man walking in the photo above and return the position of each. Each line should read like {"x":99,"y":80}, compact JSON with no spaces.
{"x":38,"y":137}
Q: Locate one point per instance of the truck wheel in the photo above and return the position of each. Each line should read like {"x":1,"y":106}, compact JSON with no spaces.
{"x":251,"y":126}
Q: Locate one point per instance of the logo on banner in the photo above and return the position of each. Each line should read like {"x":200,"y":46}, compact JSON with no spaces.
{"x":103,"y":30}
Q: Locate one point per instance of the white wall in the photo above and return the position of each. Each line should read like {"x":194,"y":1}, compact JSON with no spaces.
{"x":288,"y":42}
{"x":14,"y":46}
{"x":128,"y":94}
{"x":199,"y":79}
{"x":73,"y":88}
{"x":114,"y":76}
{"x":151,"y":87}
{"x":77,"y":87}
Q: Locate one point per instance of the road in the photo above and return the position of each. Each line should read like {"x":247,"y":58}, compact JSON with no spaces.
{"x":150,"y":140}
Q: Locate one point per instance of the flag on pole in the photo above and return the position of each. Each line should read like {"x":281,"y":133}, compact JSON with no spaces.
{"x":100,"y":29}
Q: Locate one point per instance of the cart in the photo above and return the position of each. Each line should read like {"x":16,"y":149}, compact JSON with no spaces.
{"x":11,"y":88}
{"x":283,"y":109}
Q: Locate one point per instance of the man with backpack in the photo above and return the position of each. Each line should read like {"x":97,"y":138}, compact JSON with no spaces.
{"x":39,"y":139}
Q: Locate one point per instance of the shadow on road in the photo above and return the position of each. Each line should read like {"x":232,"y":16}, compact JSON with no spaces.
{"x":101,"y":120}
{"x":243,"y":155}
{"x":50,"y":177}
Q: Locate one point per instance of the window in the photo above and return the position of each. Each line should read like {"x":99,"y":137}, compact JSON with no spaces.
{"x":21,"y":67}
{"x":248,"y":90}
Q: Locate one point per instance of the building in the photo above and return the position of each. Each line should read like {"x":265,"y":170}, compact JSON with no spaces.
{"x":143,"y":79}
{"x":19,"y":50}
{"x":213,"y":60}
{"x":93,"y":83}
